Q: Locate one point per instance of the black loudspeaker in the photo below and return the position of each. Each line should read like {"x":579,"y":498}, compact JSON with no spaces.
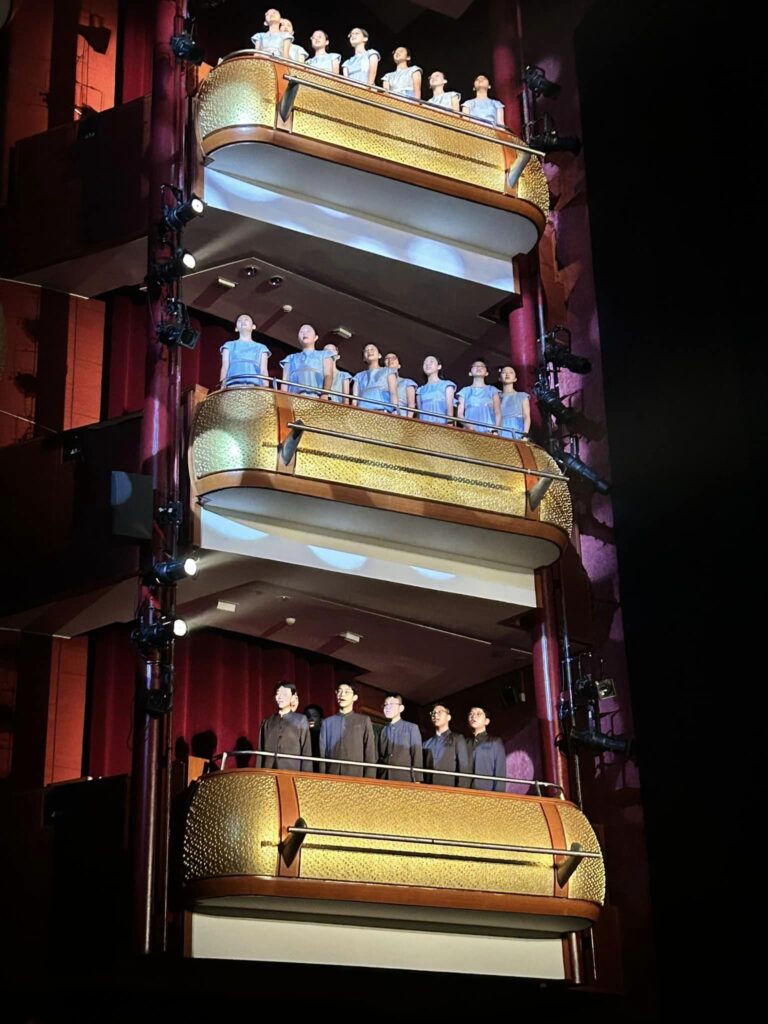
{"x":132,"y":501}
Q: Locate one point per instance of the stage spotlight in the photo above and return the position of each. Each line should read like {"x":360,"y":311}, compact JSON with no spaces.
{"x":182,"y":334}
{"x":171,"y":270}
{"x":598,"y":741}
{"x":557,"y":351}
{"x":573,"y":466}
{"x":174,"y":571}
{"x":560,"y":356}
{"x":185,"y":48}
{"x":178,"y":216}
{"x":550,"y":401}
{"x":539,"y":84}
{"x":159,"y":633}
{"x":543,"y":135}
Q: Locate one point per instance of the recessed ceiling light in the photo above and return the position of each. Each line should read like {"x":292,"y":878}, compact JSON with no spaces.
{"x":226,"y":606}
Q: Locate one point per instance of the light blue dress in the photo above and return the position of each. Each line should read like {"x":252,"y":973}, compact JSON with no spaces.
{"x":295,"y":52}
{"x":244,"y":362}
{"x":445,"y":100}
{"x":305,"y":370}
{"x":403,"y":383}
{"x":339,"y":376}
{"x":400,"y":82}
{"x":483,"y":110}
{"x":431,"y":403}
{"x":324,"y":61}
{"x":372,"y":384}
{"x":512,"y":420}
{"x":478,"y":406}
{"x":358,"y":65}
{"x":270,"y":42}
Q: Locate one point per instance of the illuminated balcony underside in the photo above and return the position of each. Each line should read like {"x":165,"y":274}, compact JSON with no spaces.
{"x":446,"y":507}
{"x":233,"y":864}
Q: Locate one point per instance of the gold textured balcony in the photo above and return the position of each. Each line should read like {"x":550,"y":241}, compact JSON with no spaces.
{"x":503,"y":868}
{"x":254,"y":98}
{"x":372,"y":475}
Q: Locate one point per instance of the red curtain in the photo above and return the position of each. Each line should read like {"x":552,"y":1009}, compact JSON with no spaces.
{"x":224,"y":689}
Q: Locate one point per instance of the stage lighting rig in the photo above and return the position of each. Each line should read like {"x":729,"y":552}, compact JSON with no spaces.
{"x":550,"y":402}
{"x":572,"y":465}
{"x":186,"y":49}
{"x":175,"y":570}
{"x":542,"y":134}
{"x":159,"y":633}
{"x":557,"y":351}
{"x":183,"y":211}
{"x":537,"y":81}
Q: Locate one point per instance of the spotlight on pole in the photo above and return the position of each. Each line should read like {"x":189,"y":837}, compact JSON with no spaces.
{"x":550,"y":401}
{"x":176,"y":327}
{"x":557,"y":351}
{"x":537,"y":81}
{"x":185,"y":48}
{"x":178,"y":216}
{"x":174,"y":571}
{"x":173,"y":269}
{"x":573,"y":466}
{"x":602,"y":743}
{"x":160,"y":633}
{"x":543,"y":135}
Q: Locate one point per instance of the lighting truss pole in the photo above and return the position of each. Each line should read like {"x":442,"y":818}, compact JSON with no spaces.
{"x":160,"y":458}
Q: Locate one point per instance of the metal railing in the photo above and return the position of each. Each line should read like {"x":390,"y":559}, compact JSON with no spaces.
{"x":275,"y":382}
{"x":518,"y":146}
{"x":537,"y":784}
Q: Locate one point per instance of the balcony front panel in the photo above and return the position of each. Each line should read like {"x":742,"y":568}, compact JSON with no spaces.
{"x":382,"y":461}
{"x":238,"y":821}
{"x":352,"y":124}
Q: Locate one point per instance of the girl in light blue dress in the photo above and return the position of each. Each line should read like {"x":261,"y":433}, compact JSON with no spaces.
{"x":375,"y":387}
{"x":342,"y":381}
{"x":295,"y":52}
{"x":479,"y":404}
{"x":273,"y":41}
{"x":406,"y":388}
{"x":404,"y":80}
{"x":244,"y":361}
{"x":435,"y":398}
{"x":322,"y":60}
{"x":515,"y":407}
{"x":441,"y":98}
{"x":309,"y":369}
{"x":482,"y":107}
{"x":363,"y":64}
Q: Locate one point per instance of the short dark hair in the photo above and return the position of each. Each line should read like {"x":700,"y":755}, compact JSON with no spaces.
{"x":406,"y":48}
{"x":479,"y":707}
{"x":439,"y":704}
{"x":397,"y":696}
{"x":314,"y":707}
{"x":288,"y":686}
{"x":249,"y":315}
{"x":348,"y":682}
{"x":324,"y":33}
{"x":364,"y":31}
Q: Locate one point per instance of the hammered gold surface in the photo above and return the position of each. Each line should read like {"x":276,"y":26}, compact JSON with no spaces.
{"x":588,"y":880}
{"x":388,"y":133}
{"x":532,"y":185}
{"x":432,"y":814}
{"x":556,"y":505}
{"x":235,"y":429}
{"x":427,"y":477}
{"x":232,"y":827}
{"x":238,"y":92}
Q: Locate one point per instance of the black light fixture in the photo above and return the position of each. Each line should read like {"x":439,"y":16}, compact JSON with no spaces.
{"x":176,"y":328}
{"x":182,"y":334}
{"x":550,"y":401}
{"x":536,"y":80}
{"x":602,"y":743}
{"x":185,"y":48}
{"x":172,"y":269}
{"x":175,"y":570}
{"x":178,"y":216}
{"x":557,"y":351}
{"x":573,"y":466}
{"x":160,"y":633}
{"x":543,"y":135}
